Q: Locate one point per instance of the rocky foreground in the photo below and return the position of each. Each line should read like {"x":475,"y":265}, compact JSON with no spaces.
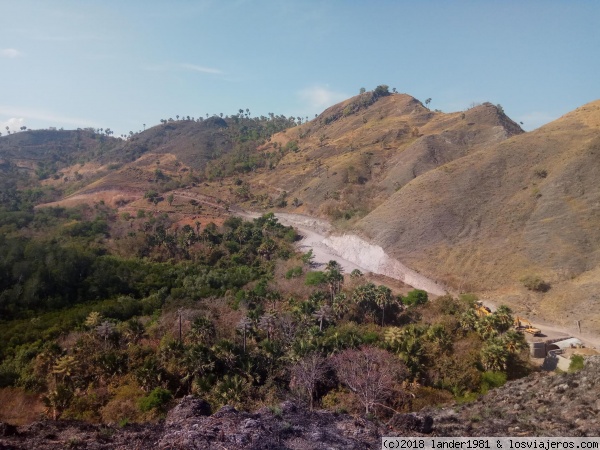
{"x":540,"y":405}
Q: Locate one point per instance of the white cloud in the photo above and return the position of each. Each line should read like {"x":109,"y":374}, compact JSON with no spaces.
{"x":10,"y":53}
{"x":202,"y":69}
{"x":49,"y":118}
{"x":13,"y":124}
{"x":535,"y":119}
{"x":185,"y":66}
{"x":318,"y":98}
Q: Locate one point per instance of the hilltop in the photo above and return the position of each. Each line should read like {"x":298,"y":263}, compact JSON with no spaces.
{"x":522,"y":209}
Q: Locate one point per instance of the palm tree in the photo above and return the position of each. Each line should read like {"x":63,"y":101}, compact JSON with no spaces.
{"x":244,"y":325}
{"x":93,"y":319}
{"x":202,"y":331}
{"x":383,"y":298}
{"x":104,"y":330}
{"x":468,"y":321}
{"x":65,"y":366}
{"x":335,"y":277}
{"x":487,"y":327}
{"x":340,"y":305}
{"x":393,"y":337}
{"x":267,"y":323}
{"x":513,"y":341}
{"x":322,"y":314}
{"x":438,"y":335}
{"x":504,"y":318}
{"x":494,"y":356}
{"x":197,"y":361}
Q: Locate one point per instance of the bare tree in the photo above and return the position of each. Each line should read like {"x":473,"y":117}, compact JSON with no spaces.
{"x":244,"y":326}
{"x":370,"y":373}
{"x":306,"y":375}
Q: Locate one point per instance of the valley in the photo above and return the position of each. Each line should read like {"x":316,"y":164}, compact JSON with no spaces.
{"x":130,"y":281}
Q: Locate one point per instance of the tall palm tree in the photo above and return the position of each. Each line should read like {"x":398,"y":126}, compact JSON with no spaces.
{"x":267,"y":323}
{"x":494,"y":356}
{"x":383,"y":298}
{"x":504,"y":318}
{"x":323,"y":314}
{"x":487,"y":327}
{"x":244,"y":325}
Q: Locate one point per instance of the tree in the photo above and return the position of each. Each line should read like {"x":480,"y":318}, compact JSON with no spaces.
{"x":244,"y":325}
{"x":334,"y":272}
{"x":323,"y":314}
{"x":356,"y":274}
{"x":383,"y":298}
{"x":494,"y":356}
{"x":306,"y":374}
{"x":362,"y":90}
{"x":340,"y":305}
{"x":504,"y":318}
{"x":93,"y":319}
{"x":427,"y":102}
{"x":267,"y":323}
{"x":415,"y":297}
{"x":105,"y":330}
{"x":308,"y":258}
{"x":381,"y":91}
{"x":370,"y":373}
{"x":170,"y":199}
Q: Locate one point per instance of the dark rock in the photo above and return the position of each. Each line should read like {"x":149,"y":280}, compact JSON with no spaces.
{"x":412,"y":422}
{"x":7,"y":429}
{"x":225,"y":411}
{"x":187,"y":408}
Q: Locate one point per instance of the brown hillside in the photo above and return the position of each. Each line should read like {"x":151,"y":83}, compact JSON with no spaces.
{"x":347,"y":163}
{"x":528,"y":206}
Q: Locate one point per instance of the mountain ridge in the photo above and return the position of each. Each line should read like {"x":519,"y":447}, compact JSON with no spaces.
{"x":466,"y":198}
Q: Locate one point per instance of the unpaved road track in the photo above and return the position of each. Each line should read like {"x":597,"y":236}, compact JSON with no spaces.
{"x":352,"y":252}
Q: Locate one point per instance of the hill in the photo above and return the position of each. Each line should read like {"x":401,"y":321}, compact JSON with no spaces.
{"x":465,"y":198}
{"x":521,"y":210}
{"x":352,"y":157}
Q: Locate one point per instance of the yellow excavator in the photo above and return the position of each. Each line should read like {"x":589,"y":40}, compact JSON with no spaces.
{"x":525,"y":325}
{"x":482,"y":310}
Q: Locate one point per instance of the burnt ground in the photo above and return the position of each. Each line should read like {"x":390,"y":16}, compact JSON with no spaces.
{"x":543,"y":404}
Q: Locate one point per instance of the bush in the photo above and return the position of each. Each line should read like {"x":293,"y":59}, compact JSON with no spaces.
{"x":535,"y":283}
{"x":294,"y":272}
{"x":315,"y":278}
{"x":576,"y":363}
{"x":491,"y":380}
{"x":415,"y":297}
{"x":158,"y":398}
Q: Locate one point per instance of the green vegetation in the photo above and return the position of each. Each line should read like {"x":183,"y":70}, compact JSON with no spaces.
{"x":535,"y":283}
{"x":110,"y":317}
{"x":577,"y":362}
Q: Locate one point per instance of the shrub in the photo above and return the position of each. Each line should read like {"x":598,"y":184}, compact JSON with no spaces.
{"x":576,"y":363}
{"x":315,"y":278}
{"x":294,"y":272}
{"x":491,"y":380}
{"x":158,"y":398}
{"x":535,"y":283}
{"x":415,"y":297}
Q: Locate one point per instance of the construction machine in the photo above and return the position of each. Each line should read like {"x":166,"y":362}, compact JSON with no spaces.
{"x":482,"y":310}
{"x":525,"y":325}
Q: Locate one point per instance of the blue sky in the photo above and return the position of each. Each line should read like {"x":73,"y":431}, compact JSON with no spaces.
{"x":121,"y":64}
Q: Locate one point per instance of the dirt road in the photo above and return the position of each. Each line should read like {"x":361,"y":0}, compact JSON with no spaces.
{"x":352,"y":252}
